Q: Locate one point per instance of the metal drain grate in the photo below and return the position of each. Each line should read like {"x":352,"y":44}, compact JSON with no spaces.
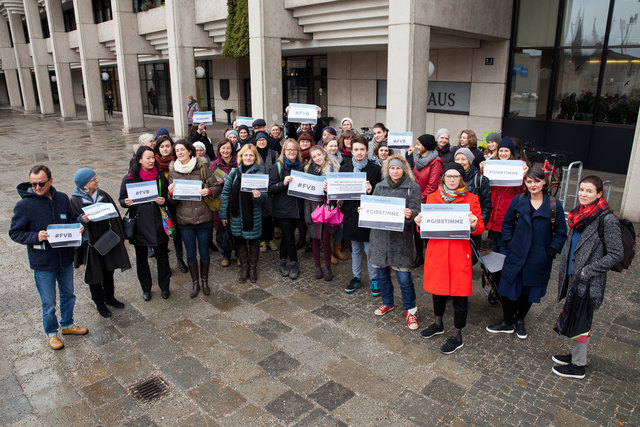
{"x":149,"y":390}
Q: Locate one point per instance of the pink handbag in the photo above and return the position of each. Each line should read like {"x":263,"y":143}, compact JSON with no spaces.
{"x":327,"y":214}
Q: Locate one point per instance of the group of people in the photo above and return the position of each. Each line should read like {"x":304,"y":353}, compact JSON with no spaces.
{"x":524,"y":223}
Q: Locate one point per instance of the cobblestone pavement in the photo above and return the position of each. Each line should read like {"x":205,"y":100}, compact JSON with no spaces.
{"x":281,"y":352}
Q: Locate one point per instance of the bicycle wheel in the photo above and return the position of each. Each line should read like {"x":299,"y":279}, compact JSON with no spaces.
{"x":554,"y":182}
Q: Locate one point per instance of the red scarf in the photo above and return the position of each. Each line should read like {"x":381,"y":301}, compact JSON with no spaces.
{"x":582,"y":215}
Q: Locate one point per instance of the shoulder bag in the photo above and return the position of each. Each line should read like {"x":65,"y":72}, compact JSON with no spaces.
{"x":213,"y":204}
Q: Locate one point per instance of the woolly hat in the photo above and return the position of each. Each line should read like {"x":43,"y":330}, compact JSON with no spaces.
{"x":199,"y":144}
{"x":468,"y":154}
{"x":453,"y":165}
{"x":242,"y":127}
{"x":506,"y":142}
{"x":260,"y":134}
{"x":346,"y":119}
{"x":83,"y":176}
{"x":493,"y":137}
{"x":331,"y":130}
{"x":442,"y":131}
{"x":162,"y":131}
{"x":231,"y":132}
{"x":258,"y":123}
{"x":428,"y":142}
{"x":396,"y":162}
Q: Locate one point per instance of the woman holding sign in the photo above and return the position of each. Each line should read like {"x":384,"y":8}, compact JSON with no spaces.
{"x":447,"y":265}
{"x":98,"y":273}
{"x":268,"y":158}
{"x":149,"y":230}
{"x":221,"y":167}
{"x":393,"y":250}
{"x":193,"y":215}
{"x":243,"y":210}
{"x":533,"y":231}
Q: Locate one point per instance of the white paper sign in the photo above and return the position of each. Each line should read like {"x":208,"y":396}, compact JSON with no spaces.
{"x":383,"y":213}
{"x":346,"y":185}
{"x":399,"y":140}
{"x":254,"y":181}
{"x":445,"y":221}
{"x":142,"y":192}
{"x":306,"y":186}
{"x":100,"y":211}
{"x":187,"y":189}
{"x":205,"y":117}
{"x":247,"y":121}
{"x":302,"y":113}
{"x":64,"y":235}
{"x":504,"y":173}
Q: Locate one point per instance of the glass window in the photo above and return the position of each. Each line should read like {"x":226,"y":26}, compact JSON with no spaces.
{"x":69,"y":17}
{"x":585,"y":22}
{"x":620,"y":94}
{"x":530,"y":80}
{"x":537,"y":20}
{"x":381,"y":94}
{"x":625,"y":29}
{"x":575,"y":96}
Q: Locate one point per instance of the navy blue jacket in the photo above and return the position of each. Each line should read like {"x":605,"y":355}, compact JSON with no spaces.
{"x":34,"y":213}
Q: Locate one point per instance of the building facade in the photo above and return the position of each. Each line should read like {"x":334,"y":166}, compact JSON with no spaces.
{"x":562,"y":74}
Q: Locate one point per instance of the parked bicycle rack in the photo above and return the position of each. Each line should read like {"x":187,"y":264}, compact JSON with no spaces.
{"x":608,"y":184}
{"x":566,"y":178}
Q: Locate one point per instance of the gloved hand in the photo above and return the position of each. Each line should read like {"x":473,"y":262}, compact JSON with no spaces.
{"x":551,"y":253}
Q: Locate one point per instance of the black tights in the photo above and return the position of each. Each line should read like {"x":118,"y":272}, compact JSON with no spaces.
{"x":288,"y":242}
{"x":460,"y":308}
{"x":515,"y":310}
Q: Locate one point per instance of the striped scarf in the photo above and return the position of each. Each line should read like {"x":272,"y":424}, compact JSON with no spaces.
{"x":450,"y":195}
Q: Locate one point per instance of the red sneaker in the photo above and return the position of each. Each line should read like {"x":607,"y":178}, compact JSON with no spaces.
{"x":411,"y":320}
{"x":380,"y":311}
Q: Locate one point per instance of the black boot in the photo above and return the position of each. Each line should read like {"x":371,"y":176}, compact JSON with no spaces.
{"x":328,"y":274}
{"x":182,"y":266}
{"x":243,"y":256}
{"x":204,"y":277}
{"x":254,"y":254}
{"x":108,"y":292}
{"x":193,"y":270}
{"x":318,"y":274}
{"x":97,"y":296}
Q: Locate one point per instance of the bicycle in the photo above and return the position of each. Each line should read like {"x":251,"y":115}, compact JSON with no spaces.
{"x":552,"y":164}
{"x":366,"y":133}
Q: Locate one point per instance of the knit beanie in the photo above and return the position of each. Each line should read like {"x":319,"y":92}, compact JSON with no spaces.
{"x":162,"y":131}
{"x":428,"y":142}
{"x":442,"y":131}
{"x":493,"y":137}
{"x":331,"y":130}
{"x":83,"y":176}
{"x":396,"y":162}
{"x":453,"y":165}
{"x":468,"y":154}
{"x":347,"y":119}
{"x":199,"y":144}
{"x":506,"y":142}
{"x":231,"y":132}
{"x":261,"y":134}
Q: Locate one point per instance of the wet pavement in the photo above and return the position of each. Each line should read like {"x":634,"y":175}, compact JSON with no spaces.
{"x":282,"y":352}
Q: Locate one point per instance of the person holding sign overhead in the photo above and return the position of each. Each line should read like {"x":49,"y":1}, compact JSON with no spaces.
{"x":447,"y":264}
{"x":41,"y":205}
{"x":98,"y":272}
{"x":393,"y":250}
{"x":200,"y":134}
{"x":148,"y":221}
{"x":243,"y":210}
{"x":193,"y":216}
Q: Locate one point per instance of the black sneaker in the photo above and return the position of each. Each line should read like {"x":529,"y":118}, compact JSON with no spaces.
{"x":451,"y":345}
{"x":284,"y":268}
{"x":353,"y":285}
{"x":569,"y":371}
{"x":502,"y":327}
{"x":562,"y":359}
{"x":432,"y":330}
{"x":521,"y":332}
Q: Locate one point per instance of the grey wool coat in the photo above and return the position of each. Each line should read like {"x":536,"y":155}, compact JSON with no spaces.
{"x":394,"y":248}
{"x":589,"y":258}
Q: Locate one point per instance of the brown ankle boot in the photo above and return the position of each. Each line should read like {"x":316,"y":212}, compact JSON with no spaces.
{"x":337,"y":251}
{"x":204,"y":277}
{"x":254,"y":254}
{"x":193,"y":270}
{"x":243,"y":257}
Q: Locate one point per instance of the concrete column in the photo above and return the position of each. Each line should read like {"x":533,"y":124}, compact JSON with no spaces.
{"x":23,"y":63}
{"x":62,"y":57}
{"x":39,"y":55}
{"x":90,"y":53}
{"x":407,"y":69}
{"x":631,"y":196}
{"x":8,"y":57}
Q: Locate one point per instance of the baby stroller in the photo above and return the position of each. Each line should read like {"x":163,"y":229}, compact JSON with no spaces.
{"x":491,"y":265}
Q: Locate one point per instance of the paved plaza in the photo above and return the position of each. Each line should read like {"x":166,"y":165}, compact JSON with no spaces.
{"x":282,"y":352}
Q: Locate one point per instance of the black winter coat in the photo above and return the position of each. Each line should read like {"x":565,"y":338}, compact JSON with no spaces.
{"x":95,"y":263}
{"x":473,"y":178}
{"x":351,"y":231}
{"x":149,"y":230}
{"x":283,"y":205}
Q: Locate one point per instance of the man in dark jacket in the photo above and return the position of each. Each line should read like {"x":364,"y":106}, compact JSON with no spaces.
{"x":41,"y":206}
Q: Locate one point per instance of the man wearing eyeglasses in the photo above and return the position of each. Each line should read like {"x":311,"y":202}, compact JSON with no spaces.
{"x":42,"y":205}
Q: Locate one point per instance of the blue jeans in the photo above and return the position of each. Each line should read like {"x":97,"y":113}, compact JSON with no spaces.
{"x":357,"y":249}
{"x":406,"y":287}
{"x":497,"y":244}
{"x":199,"y":236}
{"x":46,"y":284}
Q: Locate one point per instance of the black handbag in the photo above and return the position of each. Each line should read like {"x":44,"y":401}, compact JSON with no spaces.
{"x":106,"y":242}
{"x":224,"y":238}
{"x":129,"y":225}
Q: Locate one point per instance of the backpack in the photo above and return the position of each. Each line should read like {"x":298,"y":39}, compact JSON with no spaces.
{"x":628,"y":233}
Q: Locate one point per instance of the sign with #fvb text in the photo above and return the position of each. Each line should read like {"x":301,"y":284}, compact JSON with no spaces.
{"x":346,"y":185}
{"x":247,"y":121}
{"x":187,"y":189}
{"x":302,"y":113}
{"x":504,"y":173}
{"x":100,"y":211}
{"x":142,"y":192}
{"x":306,"y":186}
{"x":383,"y":213}
{"x":205,"y":117}
{"x":400,"y":140}
{"x":64,"y":235}
{"x":254,"y":181}
{"x":445,"y":221}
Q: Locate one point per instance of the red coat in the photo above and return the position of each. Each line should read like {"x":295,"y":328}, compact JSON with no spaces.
{"x":500,"y":199}
{"x":428,"y":178}
{"x":447,"y":263}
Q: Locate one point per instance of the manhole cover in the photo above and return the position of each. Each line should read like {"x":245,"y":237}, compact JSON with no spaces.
{"x":148,"y":390}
